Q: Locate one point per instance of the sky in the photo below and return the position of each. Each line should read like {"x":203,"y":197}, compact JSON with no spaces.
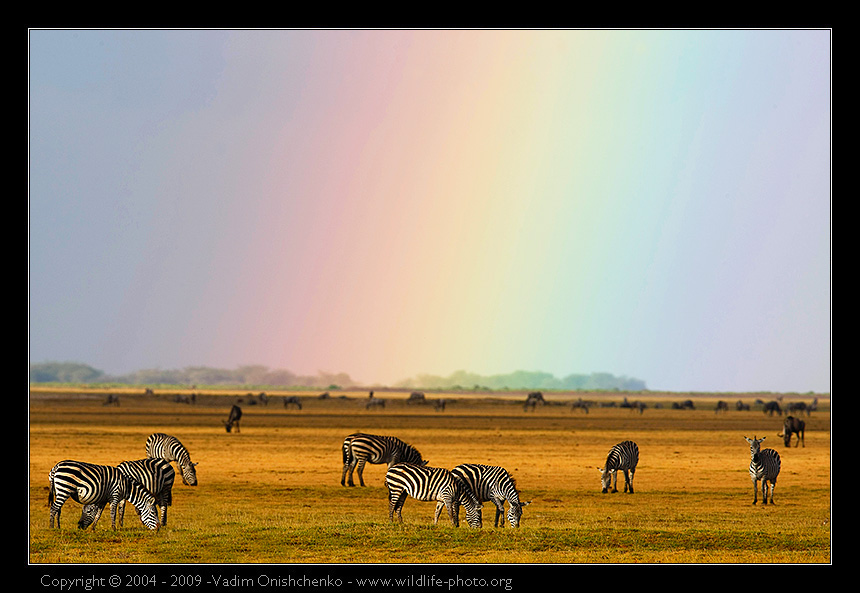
{"x":654,"y":204}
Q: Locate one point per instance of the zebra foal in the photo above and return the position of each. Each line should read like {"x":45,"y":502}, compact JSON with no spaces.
{"x":494,"y":484}
{"x":359,"y":449}
{"x":764,"y":465}
{"x":96,"y":486}
{"x":625,"y":457}
{"x":164,"y":446}
{"x":427,"y":484}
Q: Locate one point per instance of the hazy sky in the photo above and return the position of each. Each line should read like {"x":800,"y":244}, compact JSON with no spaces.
{"x":654,"y":204}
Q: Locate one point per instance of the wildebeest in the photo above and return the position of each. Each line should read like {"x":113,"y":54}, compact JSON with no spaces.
{"x":534,"y":398}
{"x":579,"y":404}
{"x":741,"y":406}
{"x":416,"y":397}
{"x":687,"y":404}
{"x":112,"y":400}
{"x":791,"y":426}
{"x":722,"y":406}
{"x":292,"y":401}
{"x":440,"y":404}
{"x":235,"y":416}
{"x":771,"y":407}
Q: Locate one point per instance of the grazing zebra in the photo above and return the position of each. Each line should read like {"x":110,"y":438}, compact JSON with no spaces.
{"x":156,"y":476}
{"x":97,"y":485}
{"x":233,"y":418}
{"x":764,"y":466}
{"x":431,"y":483}
{"x":374,"y":402}
{"x":624,"y":456}
{"x":292,"y":400}
{"x":360,"y":448}
{"x":164,"y":446}
{"x":494,"y":484}
{"x":795,"y":426}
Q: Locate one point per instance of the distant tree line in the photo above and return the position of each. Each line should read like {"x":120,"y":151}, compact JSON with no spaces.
{"x":72,"y":372}
{"x":525,"y":380}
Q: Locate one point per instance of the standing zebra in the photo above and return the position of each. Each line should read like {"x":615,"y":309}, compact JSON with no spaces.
{"x":359,"y":448}
{"x":96,"y":486}
{"x":164,"y":446}
{"x":156,"y":476}
{"x":624,"y":456}
{"x":431,"y":483}
{"x":764,"y":466}
{"x":494,"y":484}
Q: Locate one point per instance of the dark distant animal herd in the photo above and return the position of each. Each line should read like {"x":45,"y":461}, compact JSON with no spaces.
{"x":147,"y":483}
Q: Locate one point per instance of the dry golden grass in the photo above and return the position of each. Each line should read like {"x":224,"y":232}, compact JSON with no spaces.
{"x":272,"y":492}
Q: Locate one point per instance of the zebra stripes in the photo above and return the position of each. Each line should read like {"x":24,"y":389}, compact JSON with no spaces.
{"x":427,"y":484}
{"x":359,"y":449}
{"x":625,"y":457}
{"x":156,"y":476}
{"x":96,"y":486}
{"x":164,"y":446}
{"x":494,"y":484}
{"x":764,"y":466}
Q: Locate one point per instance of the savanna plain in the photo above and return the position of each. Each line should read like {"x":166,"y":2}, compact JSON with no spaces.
{"x":271,"y":492}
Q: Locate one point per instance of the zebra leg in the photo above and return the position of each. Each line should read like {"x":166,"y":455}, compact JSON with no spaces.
{"x":500,"y":512}
{"x":57,"y":501}
{"x":55,"y":512}
{"x":453,"y":512}
{"x":395,"y":504}
{"x":120,"y":512}
{"x":755,"y":491}
{"x":361,"y":463}
{"x":439,"y":506}
{"x":113,"y":509}
{"x":614,"y":480}
{"x":629,"y":483}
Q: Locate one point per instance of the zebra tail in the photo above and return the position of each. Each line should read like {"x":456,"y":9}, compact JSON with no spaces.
{"x":347,"y":455}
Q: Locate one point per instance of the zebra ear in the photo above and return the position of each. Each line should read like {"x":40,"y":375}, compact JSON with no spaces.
{"x":526,"y":503}
{"x":195,"y":463}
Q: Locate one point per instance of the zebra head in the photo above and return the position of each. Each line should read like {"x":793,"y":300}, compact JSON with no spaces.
{"x":144,"y":504}
{"x":463,"y":493}
{"x":606,"y":478}
{"x":89,"y":514}
{"x":189,"y":474}
{"x":755,"y":447}
{"x":515,"y":512}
